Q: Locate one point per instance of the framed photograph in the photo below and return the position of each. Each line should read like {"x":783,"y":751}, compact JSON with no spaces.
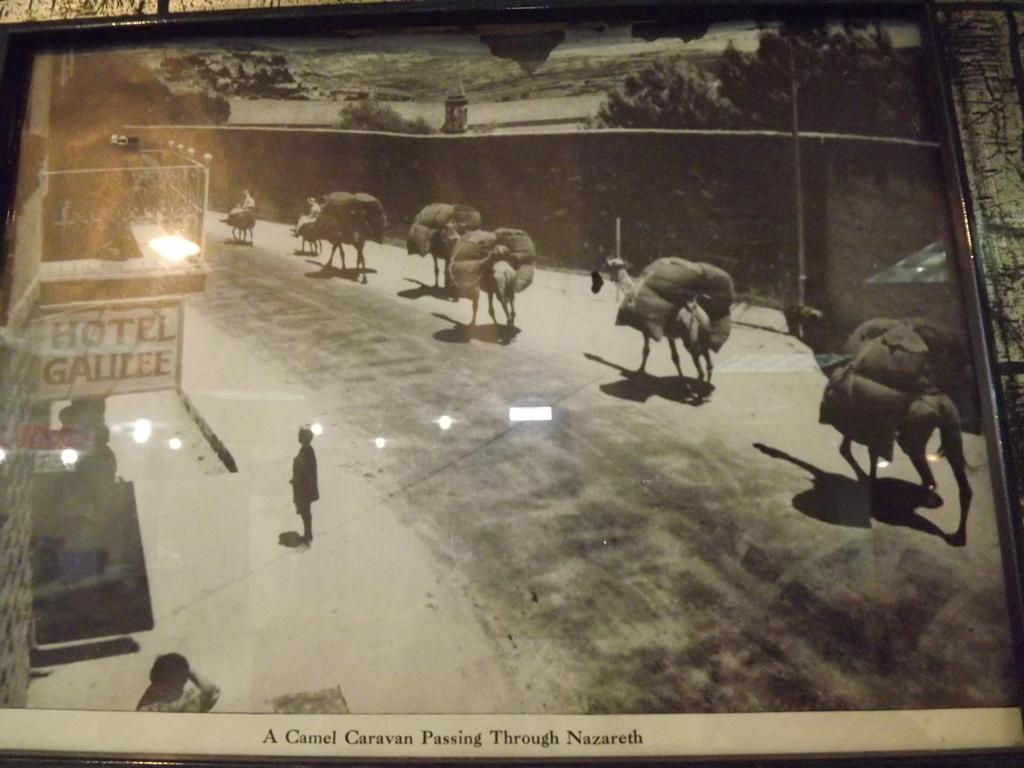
{"x":609,"y":382}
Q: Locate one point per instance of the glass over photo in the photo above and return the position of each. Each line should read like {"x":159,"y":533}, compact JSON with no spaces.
{"x":597,"y":369}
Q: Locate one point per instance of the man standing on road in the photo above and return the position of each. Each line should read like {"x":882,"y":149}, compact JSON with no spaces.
{"x":304,"y":482}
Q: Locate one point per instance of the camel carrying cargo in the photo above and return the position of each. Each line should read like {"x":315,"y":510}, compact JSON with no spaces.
{"x":893,"y":390}
{"x":670,"y":283}
{"x":437,"y":229}
{"x":347,"y":218}
{"x":500,"y":263}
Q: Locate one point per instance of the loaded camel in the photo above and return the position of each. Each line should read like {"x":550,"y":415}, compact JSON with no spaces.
{"x":676,"y":299}
{"x":500,"y":263}
{"x":436,"y":230}
{"x":890,"y":387}
{"x":347,"y":219}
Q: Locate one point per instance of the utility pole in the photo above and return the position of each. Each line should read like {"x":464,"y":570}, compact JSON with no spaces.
{"x":801,"y":252}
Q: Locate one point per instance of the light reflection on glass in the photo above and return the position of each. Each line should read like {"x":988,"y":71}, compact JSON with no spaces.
{"x":533,"y":413}
{"x":142,"y":431}
{"x":933,"y":457}
{"x":445,"y":422}
{"x":69,"y":456}
{"x":174,"y":248}
{"x":316,"y":428}
{"x":174,"y":443}
{"x":882,"y":463}
{"x":380,"y":442}
{"x":3,"y":455}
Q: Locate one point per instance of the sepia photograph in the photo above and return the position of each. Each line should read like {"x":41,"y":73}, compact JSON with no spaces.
{"x":598,"y":369}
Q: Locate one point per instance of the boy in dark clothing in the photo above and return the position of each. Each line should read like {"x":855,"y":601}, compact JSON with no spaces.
{"x":304,"y":482}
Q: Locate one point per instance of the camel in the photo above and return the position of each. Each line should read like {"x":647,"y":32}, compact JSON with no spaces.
{"x":500,"y":263}
{"x":436,"y":230}
{"x":890,"y":391}
{"x":348,"y":219}
{"x":500,"y":281}
{"x":665,"y":301}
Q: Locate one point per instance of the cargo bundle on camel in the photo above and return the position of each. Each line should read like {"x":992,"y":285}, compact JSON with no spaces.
{"x":436,"y":230}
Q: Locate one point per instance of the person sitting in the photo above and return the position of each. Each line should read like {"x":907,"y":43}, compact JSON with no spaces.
{"x":167,"y":691}
{"x":247,"y":203}
{"x":306,"y":218}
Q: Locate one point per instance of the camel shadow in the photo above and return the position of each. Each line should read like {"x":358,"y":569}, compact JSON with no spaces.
{"x":328,"y":272}
{"x":423,"y":290}
{"x":233,"y":241}
{"x":291,"y":539}
{"x":460,"y":333}
{"x":640,"y":387}
{"x":839,"y":500}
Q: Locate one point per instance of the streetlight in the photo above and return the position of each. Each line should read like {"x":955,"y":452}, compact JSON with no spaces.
{"x":801,"y":252}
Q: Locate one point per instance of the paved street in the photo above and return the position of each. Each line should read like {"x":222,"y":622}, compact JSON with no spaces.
{"x":637,"y":553}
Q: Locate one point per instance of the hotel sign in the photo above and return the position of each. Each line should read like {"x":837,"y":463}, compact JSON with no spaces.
{"x":108,"y":350}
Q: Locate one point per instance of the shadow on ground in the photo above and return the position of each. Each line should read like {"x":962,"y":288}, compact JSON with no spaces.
{"x":460,"y":333}
{"x":639,"y":387}
{"x":233,"y":241}
{"x":839,"y":500}
{"x":326,"y":272}
{"x":422,"y":290}
{"x":291,"y":539}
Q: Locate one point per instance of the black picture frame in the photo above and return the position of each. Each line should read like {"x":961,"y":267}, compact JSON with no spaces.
{"x":20,"y":42}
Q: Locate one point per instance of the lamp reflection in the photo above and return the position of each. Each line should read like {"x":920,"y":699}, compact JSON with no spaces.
{"x":69,"y":456}
{"x":142,"y":431}
{"x":380,"y":442}
{"x":316,"y":428}
{"x":174,"y":443}
{"x":174,"y":248}
{"x":445,"y":422}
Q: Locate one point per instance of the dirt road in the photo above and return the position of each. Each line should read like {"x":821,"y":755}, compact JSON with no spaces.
{"x":638,"y":552}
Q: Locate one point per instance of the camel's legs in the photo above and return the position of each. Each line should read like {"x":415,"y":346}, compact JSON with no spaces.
{"x":437,"y":281}
{"x":512,"y":317}
{"x":647,"y":352}
{"x":361,"y":260}
{"x":846,"y":452}
{"x":957,"y":463}
{"x":710,"y":367}
{"x":914,"y":444}
{"x":873,"y":469}
{"x":490,"y":307}
{"x":675,"y":356}
{"x":695,"y":356}
{"x":476,"y":301}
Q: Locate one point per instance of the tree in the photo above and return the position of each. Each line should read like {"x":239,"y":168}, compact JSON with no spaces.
{"x":665,"y":94}
{"x":849,"y":79}
{"x":373,"y":115}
